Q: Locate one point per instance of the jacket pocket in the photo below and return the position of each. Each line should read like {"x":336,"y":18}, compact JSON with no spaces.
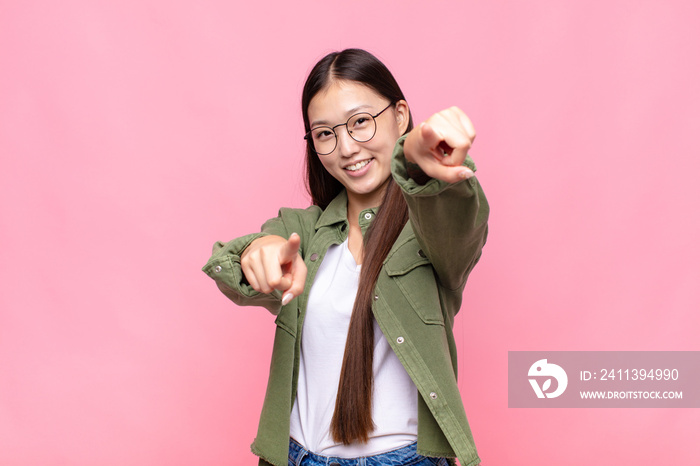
{"x":414,"y":275}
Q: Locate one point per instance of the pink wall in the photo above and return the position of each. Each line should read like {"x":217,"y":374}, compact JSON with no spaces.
{"x":134,"y":134}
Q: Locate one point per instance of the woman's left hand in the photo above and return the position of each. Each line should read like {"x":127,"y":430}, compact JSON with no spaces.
{"x":440,"y":144}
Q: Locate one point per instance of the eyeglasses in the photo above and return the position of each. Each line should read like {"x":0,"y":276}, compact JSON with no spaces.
{"x":361,"y":127}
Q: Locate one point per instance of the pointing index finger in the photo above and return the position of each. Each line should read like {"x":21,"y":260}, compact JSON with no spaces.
{"x":290,"y":249}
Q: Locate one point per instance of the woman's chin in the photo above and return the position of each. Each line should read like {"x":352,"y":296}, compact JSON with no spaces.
{"x":366,"y":190}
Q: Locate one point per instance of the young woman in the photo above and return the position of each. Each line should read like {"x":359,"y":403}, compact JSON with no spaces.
{"x":366,"y":282}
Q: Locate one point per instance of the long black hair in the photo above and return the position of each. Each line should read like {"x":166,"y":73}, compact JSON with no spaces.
{"x":352,"y":419}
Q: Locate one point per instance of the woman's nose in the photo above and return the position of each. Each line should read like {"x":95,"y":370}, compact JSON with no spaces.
{"x":347,"y":146}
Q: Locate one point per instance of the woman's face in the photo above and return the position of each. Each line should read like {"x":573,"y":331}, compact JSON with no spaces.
{"x":362,"y":167}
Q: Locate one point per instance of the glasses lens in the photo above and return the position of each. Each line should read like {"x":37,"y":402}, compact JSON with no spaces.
{"x":323,"y":138}
{"x":361,"y":127}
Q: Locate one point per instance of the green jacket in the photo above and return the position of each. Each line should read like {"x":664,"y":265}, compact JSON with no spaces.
{"x":417,"y":295}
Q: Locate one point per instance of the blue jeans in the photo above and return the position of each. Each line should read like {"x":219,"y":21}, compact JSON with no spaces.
{"x":405,"y":456}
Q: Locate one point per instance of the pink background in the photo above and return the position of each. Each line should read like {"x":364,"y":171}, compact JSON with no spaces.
{"x":134,"y":134}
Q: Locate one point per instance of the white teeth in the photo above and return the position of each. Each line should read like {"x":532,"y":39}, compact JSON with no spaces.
{"x":357,"y":166}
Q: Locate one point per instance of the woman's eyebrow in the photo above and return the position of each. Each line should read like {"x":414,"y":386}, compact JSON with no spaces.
{"x":349,"y":113}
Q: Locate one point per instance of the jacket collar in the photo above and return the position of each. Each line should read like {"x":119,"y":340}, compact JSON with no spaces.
{"x":337,"y":211}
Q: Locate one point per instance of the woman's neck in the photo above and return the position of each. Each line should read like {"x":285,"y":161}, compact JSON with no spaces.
{"x":359,"y":202}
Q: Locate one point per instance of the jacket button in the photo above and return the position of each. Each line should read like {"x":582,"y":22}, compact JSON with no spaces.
{"x":217,"y":269}
{"x":313,"y":257}
{"x":433,"y":395}
{"x":399,"y":340}
{"x":368,"y":216}
{"x":376,"y":297}
{"x":421,"y":253}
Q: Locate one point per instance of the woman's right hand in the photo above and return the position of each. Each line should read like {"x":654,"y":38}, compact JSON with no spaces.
{"x":274,"y":263}
{"x":440,"y":144}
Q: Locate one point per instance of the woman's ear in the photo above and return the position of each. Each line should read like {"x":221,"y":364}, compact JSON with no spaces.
{"x":402,"y":115}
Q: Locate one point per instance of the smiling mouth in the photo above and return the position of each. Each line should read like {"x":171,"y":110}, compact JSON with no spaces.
{"x":358,"y":165}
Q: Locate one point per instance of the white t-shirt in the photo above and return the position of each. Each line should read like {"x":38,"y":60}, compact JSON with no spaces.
{"x":394,"y":401}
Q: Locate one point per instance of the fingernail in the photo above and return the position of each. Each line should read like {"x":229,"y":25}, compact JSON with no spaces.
{"x":286,"y":298}
{"x":466,"y":173}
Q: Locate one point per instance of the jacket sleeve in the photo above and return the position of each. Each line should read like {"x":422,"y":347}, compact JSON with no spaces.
{"x":448,"y":219}
{"x":224,"y":266}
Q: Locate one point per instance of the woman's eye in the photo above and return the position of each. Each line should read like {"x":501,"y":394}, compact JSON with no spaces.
{"x":360,"y":122}
{"x":322,"y":135}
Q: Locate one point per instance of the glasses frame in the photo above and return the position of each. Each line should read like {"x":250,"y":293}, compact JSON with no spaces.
{"x":309,"y":139}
